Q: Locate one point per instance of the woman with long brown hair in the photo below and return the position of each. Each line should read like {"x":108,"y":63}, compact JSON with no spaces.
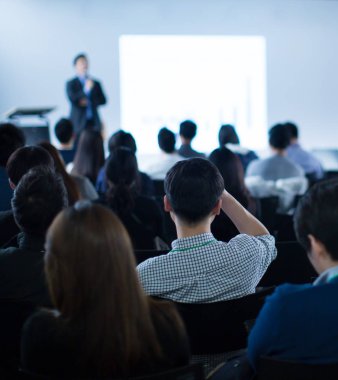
{"x":231,"y":169}
{"x":70,"y":184}
{"x":103,"y":324}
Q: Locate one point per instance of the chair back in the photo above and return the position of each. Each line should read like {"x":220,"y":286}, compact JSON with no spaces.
{"x":143,"y":255}
{"x":220,"y":327}
{"x":267,"y":211}
{"x":270,"y":368}
{"x":291,"y":265}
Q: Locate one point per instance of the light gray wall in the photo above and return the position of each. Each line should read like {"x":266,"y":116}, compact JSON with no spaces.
{"x":39,"y":38}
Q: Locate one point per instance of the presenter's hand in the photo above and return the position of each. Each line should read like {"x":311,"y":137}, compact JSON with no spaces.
{"x":89,"y":84}
{"x":83,"y":102}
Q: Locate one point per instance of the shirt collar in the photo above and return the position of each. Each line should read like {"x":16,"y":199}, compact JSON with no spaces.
{"x":327,"y":276}
{"x":193,"y":242}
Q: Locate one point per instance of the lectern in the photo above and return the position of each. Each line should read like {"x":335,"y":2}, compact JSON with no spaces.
{"x":32,"y":121}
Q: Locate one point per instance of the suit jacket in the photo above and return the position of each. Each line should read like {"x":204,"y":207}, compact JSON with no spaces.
{"x":298,"y":323}
{"x":78,"y":113}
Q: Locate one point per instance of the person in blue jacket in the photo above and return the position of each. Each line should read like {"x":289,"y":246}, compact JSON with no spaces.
{"x":299,"y":322}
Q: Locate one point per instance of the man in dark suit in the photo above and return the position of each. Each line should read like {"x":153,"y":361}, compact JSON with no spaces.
{"x":85,"y":95}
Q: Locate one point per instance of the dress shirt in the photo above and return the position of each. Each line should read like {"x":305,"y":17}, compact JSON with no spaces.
{"x":307,"y":161}
{"x":89,"y":111}
{"x":327,"y":276}
{"x":201,"y":269}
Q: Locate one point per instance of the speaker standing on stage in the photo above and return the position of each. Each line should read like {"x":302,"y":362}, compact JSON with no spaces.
{"x":85,"y":95}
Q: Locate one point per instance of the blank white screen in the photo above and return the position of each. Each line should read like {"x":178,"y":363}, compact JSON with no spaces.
{"x":212,"y":80}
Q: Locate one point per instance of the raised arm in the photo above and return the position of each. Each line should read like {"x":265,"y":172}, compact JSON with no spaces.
{"x":245,"y":222}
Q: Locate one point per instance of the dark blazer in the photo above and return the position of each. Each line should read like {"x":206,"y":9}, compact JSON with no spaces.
{"x":8,"y":229}
{"x":75,"y":93}
{"x":298,"y":323}
{"x":22,"y":276}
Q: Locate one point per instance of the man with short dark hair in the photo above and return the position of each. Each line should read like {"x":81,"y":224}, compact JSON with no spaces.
{"x":11,"y":138}
{"x":299,"y":322}
{"x":188,"y":131}
{"x":277,"y":175}
{"x":38,"y":198}
{"x":85,"y":95}
{"x":64,"y":132}
{"x":168,"y":157}
{"x":200,"y":269}
{"x":18,"y":164}
{"x":278,"y":166}
{"x":301,"y":157}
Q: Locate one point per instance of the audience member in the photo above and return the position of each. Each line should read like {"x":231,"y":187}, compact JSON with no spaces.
{"x":298,"y":155}
{"x":18,"y":164}
{"x":38,"y":198}
{"x":228,"y":137}
{"x":140,"y":215}
{"x":103,"y":325}
{"x":89,"y":156}
{"x":188,"y":131}
{"x":299,"y":322}
{"x":71,"y":186}
{"x":168,"y":157}
{"x":231,"y":169}
{"x":124,"y":139}
{"x":277,"y":175}
{"x":199,"y":268}
{"x":78,"y":187}
{"x":11,"y":138}
{"x":64,"y":132}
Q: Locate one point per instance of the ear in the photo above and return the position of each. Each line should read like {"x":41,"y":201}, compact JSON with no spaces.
{"x":11,"y":184}
{"x":318,"y":249}
{"x":217,"y":209}
{"x":167,"y":205}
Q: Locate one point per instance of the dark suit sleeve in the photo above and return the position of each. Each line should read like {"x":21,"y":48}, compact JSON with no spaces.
{"x":97,"y":96}
{"x":75,"y":93}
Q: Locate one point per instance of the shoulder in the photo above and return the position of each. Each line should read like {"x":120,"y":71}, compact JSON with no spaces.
{"x":72,"y":81}
{"x":40,"y":322}
{"x":243,"y":240}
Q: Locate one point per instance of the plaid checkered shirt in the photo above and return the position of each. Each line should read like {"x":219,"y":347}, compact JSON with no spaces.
{"x":200,"y":269}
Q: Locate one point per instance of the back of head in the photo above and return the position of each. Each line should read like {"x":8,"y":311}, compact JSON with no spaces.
{"x":26,"y":158}
{"x":231,"y":169}
{"x":293,"y":129}
{"x":122,"y":139}
{"x":89,"y":157}
{"x":193,"y":188}
{"x":123,"y":181}
{"x":38,"y":198}
{"x":11,"y":138}
{"x":227,"y":135}
{"x":64,"y":130}
{"x":279,"y":137}
{"x":86,"y":245}
{"x":188,"y":129}
{"x":166,"y":140}
{"x":317,"y":215}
